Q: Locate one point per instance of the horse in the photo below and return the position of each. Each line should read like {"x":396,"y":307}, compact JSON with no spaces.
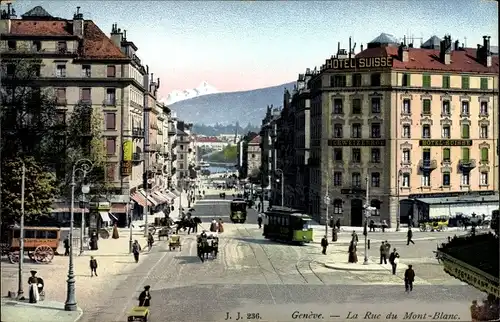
{"x":191,"y":224}
{"x":203,"y":249}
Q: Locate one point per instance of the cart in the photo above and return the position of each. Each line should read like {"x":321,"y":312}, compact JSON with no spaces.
{"x":138,"y":313}
{"x":40,"y":243}
{"x":174,"y":242}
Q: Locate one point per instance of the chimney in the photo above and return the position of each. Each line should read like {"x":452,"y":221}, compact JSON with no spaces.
{"x":338,"y":48}
{"x":403,"y":52}
{"x":361,"y":47}
{"x":116,"y":35}
{"x":457,"y":45}
{"x":488,"y":52}
{"x":445,"y":50}
{"x":124,"y":35}
{"x":78,"y":23}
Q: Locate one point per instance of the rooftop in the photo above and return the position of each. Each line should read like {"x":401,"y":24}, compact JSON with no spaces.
{"x":255,"y":140}
{"x":208,"y":140}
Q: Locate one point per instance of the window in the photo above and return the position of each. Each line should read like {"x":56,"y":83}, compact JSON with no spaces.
{"x":110,"y":121}
{"x":12,"y":44}
{"x":61,"y":96}
{"x":375,"y":79}
{"x":446,"y":132}
{"x":356,"y":155}
{"x":253,"y":156}
{"x":337,"y":206}
{"x":446,"y":155}
{"x":465,"y":131}
{"x":465,"y":82}
{"x":86,"y":94}
{"x":61,"y":71}
{"x":375,"y":104}
{"x":406,"y":80}
{"x":426,"y":80}
{"x":406,"y":131}
{"x":483,"y":131}
{"x":446,"y":81}
{"x":36,"y":46}
{"x":110,"y":172}
{"x":337,"y":154}
{"x":337,"y":106}
{"x":426,"y":131}
{"x":446,"y":179}
{"x":356,"y":106}
{"x":465,"y":108}
{"x":337,"y":179}
{"x":356,"y":179}
{"x":181,"y":166}
{"x":465,"y":154}
{"x":406,"y":156}
{"x":406,"y":106}
{"x":375,"y":130}
{"x":11,"y":69}
{"x":375,"y":155}
{"x":465,"y":179}
{"x":375,"y":179}
{"x":446,"y":109}
{"x":483,"y":179}
{"x":338,"y":81}
{"x":356,"y":80}
{"x":62,"y":47}
{"x":484,"y":83}
{"x":483,"y":109}
{"x":110,"y":146}
{"x":405,"y":180}
{"x":110,"y":96}
{"x":86,"y":71}
{"x":484,"y":155}
{"x":356,"y":131}
{"x":111,"y":71}
{"x":338,"y":131}
{"x":426,"y":107}
{"x":426,"y":179}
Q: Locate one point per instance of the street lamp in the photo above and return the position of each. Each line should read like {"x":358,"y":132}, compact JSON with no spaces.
{"x":280,"y":172}
{"x":20,"y":290}
{"x":327,"y":203}
{"x":131,"y":211}
{"x":85,"y":190}
{"x":368,"y":211}
{"x":85,"y":166}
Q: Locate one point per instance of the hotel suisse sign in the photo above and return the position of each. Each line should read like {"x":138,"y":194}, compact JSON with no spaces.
{"x":445,"y":142}
{"x":359,"y":63}
{"x":356,"y":142}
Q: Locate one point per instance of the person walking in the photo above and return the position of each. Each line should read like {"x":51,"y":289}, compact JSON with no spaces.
{"x":151,"y":241}
{"x":387,"y":249}
{"x":66,"y":246}
{"x":93,"y":266}
{"x":355,"y":236}
{"x":409,"y":278}
{"x":145,"y":297}
{"x":220,"y":226}
{"x":394,"y":259}
{"x":324,"y":245}
{"x":383,"y":256}
{"x":259,"y":220}
{"x":409,"y":237}
{"x":136,"y":249}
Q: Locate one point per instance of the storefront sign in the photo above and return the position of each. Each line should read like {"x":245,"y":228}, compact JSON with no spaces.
{"x":127,"y":150}
{"x":452,"y":194}
{"x":445,"y":142}
{"x":472,"y":278}
{"x":358,"y":142}
{"x":126,"y":168}
{"x":359,"y":63}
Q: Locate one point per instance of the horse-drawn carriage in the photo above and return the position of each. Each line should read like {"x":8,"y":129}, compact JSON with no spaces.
{"x":434,"y":224}
{"x":40,"y":243}
{"x":207,"y":244}
{"x":174,"y":242}
{"x":138,"y":313}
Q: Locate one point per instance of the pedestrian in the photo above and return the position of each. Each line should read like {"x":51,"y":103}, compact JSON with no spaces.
{"x":136,"y":249}
{"x":220,"y":226}
{"x":394,"y":259}
{"x":66,"y":246}
{"x":353,"y":256}
{"x":409,"y":236}
{"x":151,"y":241}
{"x":383,"y":257}
{"x":387,"y":249}
{"x":259,"y":220}
{"x":384,"y":225}
{"x":324,"y":245}
{"x":93,"y":266}
{"x":409,"y":278}
{"x":33,"y":287}
{"x":259,"y":207}
{"x":338,"y":224}
{"x":355,"y":236}
{"x":213,"y":225}
{"x":145,"y":297}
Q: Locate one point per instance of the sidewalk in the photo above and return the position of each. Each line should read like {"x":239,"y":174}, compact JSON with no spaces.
{"x":358,"y":230}
{"x":338,"y":260}
{"x":45,"y":311}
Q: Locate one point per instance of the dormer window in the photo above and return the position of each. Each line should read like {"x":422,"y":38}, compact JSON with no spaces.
{"x":62,"y":47}
{"x":86,"y":71}
{"x":12,"y":44}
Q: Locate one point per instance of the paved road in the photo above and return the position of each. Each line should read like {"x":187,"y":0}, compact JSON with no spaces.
{"x":253,"y":272}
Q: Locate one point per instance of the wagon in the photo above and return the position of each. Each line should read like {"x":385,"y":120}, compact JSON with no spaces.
{"x":138,"y":313}
{"x":39,"y":242}
{"x":174,"y":242}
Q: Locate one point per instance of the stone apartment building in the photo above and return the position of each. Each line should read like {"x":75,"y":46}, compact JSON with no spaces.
{"x":268,"y":135}
{"x":253,"y":156}
{"x":186,"y":153}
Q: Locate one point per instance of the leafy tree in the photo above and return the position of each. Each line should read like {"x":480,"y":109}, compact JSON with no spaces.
{"x":39,"y":190}
{"x":231,"y":153}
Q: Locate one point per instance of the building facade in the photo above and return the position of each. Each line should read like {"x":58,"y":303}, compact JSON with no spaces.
{"x":253,"y":157}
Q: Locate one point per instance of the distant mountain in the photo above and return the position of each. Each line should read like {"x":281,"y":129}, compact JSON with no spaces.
{"x":217,"y":129}
{"x":177,"y":96}
{"x":229,"y":108}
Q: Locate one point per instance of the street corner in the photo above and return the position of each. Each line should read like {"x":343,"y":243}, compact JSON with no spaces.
{"x":43,"y":311}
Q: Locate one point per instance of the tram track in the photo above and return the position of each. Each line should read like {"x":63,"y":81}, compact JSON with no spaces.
{"x":309,"y":268}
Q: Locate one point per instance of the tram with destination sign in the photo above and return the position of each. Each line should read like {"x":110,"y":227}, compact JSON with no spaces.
{"x":288,"y":225}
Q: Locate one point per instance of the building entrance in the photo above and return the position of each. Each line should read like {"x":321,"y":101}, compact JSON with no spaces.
{"x":357,"y":212}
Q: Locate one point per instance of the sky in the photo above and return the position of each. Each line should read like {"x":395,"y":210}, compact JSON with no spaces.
{"x":242,"y":45}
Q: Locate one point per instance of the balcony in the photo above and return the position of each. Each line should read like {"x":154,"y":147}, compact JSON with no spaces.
{"x":110,"y":102}
{"x":137,"y":157}
{"x":85,"y":101}
{"x":138,"y":132}
{"x":467,"y":164}
{"x":427,"y":165}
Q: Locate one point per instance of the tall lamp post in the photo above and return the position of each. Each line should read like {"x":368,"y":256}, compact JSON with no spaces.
{"x":131,"y":212}
{"x":280,"y":172}
{"x":85,"y":166}
{"x":368,"y":210}
{"x":327,"y":203}
{"x":20,"y":289}
{"x":85,"y":190}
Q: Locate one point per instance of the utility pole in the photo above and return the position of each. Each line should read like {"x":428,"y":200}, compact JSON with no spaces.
{"x":368,"y":209}
{"x":327,"y":203}
{"x":20,"y":288}
{"x":145,"y":165}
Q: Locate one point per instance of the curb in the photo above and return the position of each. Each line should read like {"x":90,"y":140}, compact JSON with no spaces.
{"x":381,"y":240}
{"x":357,"y":268}
{"x":80,"y":315}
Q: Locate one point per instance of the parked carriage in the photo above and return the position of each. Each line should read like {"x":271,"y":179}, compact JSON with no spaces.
{"x":434,"y":224}
{"x":40,"y":243}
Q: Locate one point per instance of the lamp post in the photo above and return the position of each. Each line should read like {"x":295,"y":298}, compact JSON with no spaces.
{"x":20,"y":289}
{"x":85,"y":166}
{"x":280,"y":172}
{"x":368,"y":209}
{"x":85,"y":190}
{"x":131,"y":211}
{"x":327,"y":203}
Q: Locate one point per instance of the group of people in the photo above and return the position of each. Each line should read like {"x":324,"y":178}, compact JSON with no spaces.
{"x":206,"y":246}
{"x":217,"y":226}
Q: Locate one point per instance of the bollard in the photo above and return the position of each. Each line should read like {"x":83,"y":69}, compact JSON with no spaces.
{"x":368,"y":244}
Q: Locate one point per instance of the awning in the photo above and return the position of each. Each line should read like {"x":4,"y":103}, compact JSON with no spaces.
{"x":139,"y":198}
{"x":151,"y":202}
{"x":112,"y":216}
{"x":164,"y":196}
{"x":119,"y":208}
{"x":161,"y":197}
{"x":104,"y":216}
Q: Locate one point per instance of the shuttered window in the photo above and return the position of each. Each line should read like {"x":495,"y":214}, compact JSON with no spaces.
{"x":426,"y":108}
{"x":465,"y":131}
{"x":110,"y":121}
{"x":426,"y":80}
{"x":111,"y":71}
{"x":465,"y":82}
{"x":465,"y":154}
{"x":446,"y":154}
{"x":484,"y":154}
{"x":86,"y":94}
{"x":406,"y":80}
{"x":110,"y":146}
{"x":446,"y":81}
{"x":110,"y":172}
{"x":484,"y":83}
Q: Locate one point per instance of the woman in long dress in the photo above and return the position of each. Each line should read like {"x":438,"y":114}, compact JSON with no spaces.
{"x":221,"y":226}
{"x":145,"y":297}
{"x":33,"y":287}
{"x":353,"y":257}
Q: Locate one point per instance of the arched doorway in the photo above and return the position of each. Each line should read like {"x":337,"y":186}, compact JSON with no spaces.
{"x":356,"y":212}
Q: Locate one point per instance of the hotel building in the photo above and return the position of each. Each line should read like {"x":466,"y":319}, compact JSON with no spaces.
{"x":416,"y":126}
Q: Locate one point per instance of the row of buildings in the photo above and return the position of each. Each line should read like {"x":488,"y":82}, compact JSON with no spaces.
{"x":416,"y":127}
{"x":145,"y":143}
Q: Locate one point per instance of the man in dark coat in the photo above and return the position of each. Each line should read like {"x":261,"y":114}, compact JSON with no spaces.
{"x":66,"y":246}
{"x":93,"y":266}
{"x":145,"y":297}
{"x":383,"y":257}
{"x":393,"y":259}
{"x":409,"y":278}
{"x":324,"y":245}
{"x":409,"y":236}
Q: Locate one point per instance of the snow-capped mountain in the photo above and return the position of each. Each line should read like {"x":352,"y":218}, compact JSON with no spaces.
{"x":176,"y":96}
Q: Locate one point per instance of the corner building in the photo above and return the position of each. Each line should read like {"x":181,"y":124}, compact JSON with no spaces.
{"x":418,"y":125}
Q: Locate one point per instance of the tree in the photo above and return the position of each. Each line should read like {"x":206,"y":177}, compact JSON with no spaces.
{"x":39,"y":190}
{"x":255,"y":176}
